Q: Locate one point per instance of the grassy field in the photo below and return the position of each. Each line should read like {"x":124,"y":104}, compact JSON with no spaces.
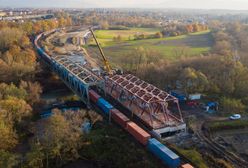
{"x":170,"y":48}
{"x":224,"y":125}
{"x":125,"y":34}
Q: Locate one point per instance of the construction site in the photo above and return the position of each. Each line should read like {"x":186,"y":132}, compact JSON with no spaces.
{"x":145,"y":111}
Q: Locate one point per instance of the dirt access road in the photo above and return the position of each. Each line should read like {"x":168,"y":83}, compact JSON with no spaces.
{"x":197,"y":126}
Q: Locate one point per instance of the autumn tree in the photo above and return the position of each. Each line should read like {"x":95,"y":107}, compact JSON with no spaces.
{"x":222,"y":48}
{"x":8,"y":159}
{"x":9,"y":37}
{"x":36,"y":156}
{"x":117,"y":38}
{"x":8,"y":136}
{"x":15,"y":109}
{"x":59,"y":140}
{"x":193,"y":81}
{"x":158,"y":35}
{"x":17,"y":56}
{"x":230,"y":105}
{"x":11,"y":90}
{"x":221,"y":36}
{"x":27,"y":27}
{"x":104,"y":24}
{"x":33,"y":90}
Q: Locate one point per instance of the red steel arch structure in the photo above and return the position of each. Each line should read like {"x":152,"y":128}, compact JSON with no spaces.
{"x":157,"y":109}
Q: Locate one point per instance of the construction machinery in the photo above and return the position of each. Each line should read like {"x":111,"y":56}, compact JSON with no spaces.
{"x":107,"y":66}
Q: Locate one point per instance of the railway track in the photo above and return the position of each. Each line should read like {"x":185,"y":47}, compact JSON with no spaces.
{"x":235,"y":160}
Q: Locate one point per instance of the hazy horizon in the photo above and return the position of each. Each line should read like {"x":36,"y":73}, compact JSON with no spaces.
{"x":183,"y":4}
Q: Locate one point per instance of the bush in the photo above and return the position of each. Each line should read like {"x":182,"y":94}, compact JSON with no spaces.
{"x":117,"y":39}
{"x":192,"y":155}
{"x":230,"y":106}
{"x":158,"y":35}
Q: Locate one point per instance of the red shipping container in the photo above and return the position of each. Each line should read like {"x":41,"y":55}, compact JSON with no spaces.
{"x":93,"y":96}
{"x":119,"y":118}
{"x":139,"y":134}
{"x":187,"y":166}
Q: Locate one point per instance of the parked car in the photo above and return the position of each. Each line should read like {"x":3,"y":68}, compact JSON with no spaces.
{"x":235,"y":117}
{"x":211,"y":106}
{"x":192,"y":103}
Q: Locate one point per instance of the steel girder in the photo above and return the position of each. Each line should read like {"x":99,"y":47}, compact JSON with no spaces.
{"x":142,"y":98}
{"x":76,"y":77}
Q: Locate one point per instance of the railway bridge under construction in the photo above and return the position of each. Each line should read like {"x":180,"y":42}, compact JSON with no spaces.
{"x":157,"y":111}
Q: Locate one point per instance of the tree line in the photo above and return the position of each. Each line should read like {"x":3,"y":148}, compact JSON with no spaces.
{"x":118,"y":19}
{"x":181,"y":29}
{"x":19,"y":92}
{"x":167,"y":31}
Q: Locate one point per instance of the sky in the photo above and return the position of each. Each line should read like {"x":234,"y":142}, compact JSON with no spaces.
{"x":192,"y":4}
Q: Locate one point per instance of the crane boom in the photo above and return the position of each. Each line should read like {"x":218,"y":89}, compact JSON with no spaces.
{"x":105,"y":61}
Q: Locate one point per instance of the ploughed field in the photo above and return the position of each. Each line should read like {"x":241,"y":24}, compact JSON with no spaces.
{"x":170,"y":48}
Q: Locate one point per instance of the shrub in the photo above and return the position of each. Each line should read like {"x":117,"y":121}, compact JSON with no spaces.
{"x":230,"y":105}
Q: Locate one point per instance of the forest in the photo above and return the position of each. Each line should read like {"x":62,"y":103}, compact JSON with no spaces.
{"x":20,"y":92}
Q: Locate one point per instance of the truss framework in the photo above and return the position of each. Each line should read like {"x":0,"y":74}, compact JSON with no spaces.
{"x":144,"y":100}
{"x":76,"y":77}
{"x":78,"y":70}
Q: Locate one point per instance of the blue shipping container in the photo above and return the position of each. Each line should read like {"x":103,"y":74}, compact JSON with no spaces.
{"x":180,"y":96}
{"x":104,"y":105}
{"x":165,"y":154}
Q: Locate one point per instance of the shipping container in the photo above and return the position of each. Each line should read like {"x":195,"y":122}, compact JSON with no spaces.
{"x":165,"y":154}
{"x":104,"y":105}
{"x":196,"y":96}
{"x":119,"y":118}
{"x":93,"y":96}
{"x":179,"y":95}
{"x":139,"y":134}
{"x":187,"y":166}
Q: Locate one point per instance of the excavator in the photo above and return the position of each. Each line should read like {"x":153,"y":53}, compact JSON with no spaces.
{"x":107,"y":66}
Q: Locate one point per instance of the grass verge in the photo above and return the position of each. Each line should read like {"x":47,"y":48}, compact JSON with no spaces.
{"x":223,"y":125}
{"x":193,"y":155}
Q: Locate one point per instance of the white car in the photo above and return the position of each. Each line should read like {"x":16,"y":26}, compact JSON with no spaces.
{"x":235,"y":117}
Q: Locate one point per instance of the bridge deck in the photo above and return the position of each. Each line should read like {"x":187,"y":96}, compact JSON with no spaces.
{"x":77,"y":68}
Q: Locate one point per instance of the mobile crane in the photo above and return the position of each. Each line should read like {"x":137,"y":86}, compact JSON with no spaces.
{"x":107,"y":66}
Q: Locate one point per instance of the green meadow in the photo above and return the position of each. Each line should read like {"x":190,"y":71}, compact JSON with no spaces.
{"x":170,"y":48}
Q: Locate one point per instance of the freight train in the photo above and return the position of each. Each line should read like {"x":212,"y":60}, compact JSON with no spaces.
{"x":168,"y":157}
{"x":153,"y":145}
